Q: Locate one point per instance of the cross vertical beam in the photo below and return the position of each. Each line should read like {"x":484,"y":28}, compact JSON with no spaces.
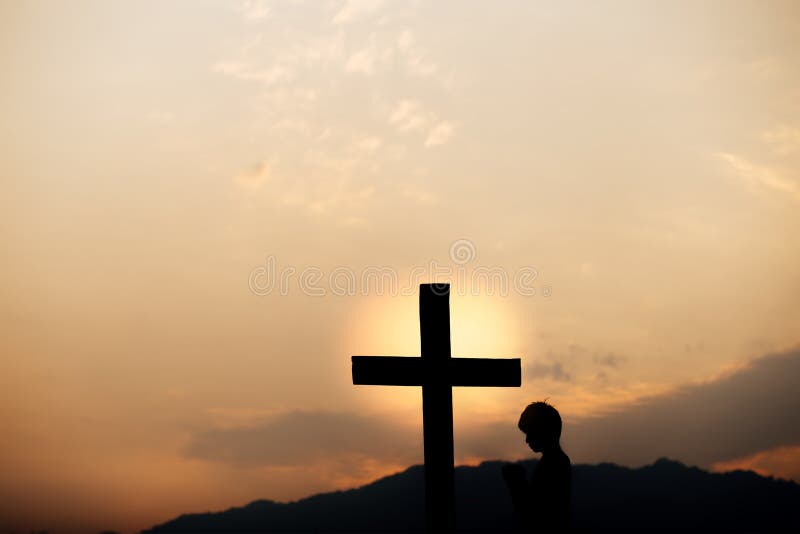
{"x":437,"y":373}
{"x":437,"y":408}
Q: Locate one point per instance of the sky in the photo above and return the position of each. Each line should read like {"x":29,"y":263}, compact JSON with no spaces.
{"x":207,"y":207}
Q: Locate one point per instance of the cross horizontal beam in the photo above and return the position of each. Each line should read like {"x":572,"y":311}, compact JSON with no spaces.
{"x":414,"y":371}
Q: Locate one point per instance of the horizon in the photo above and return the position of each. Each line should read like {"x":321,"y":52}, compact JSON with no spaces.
{"x":209,"y":207}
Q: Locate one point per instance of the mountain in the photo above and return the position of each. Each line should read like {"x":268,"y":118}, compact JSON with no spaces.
{"x":666,"y":496}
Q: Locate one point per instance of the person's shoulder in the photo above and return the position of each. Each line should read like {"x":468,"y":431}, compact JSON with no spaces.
{"x":563,"y":460}
{"x":555,"y":460}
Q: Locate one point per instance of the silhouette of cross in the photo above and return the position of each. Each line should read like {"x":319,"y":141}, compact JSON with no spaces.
{"x":437,"y":373}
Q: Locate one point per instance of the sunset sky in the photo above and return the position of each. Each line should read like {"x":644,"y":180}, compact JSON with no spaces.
{"x":631,"y":169}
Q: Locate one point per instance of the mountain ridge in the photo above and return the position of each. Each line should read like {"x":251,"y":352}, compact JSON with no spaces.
{"x":665,"y":496}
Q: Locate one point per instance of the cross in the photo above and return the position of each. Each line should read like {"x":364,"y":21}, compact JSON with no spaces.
{"x":437,"y":373}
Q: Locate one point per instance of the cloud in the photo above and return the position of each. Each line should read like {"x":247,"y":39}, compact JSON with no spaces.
{"x":553,"y":370}
{"x":783,"y":462}
{"x":253,"y":178}
{"x":304,"y":437}
{"x":255,"y":9}
{"x":407,"y":115}
{"x":759,"y":175}
{"x":245,"y":71}
{"x":734,"y":418}
{"x":740,"y":414}
{"x":355,"y":9}
{"x":440,"y":134}
{"x":609,"y":359}
{"x":405,"y":40}
{"x":415,"y":57}
{"x":362,"y":61}
{"x":782,"y":140}
{"x":368,"y":143}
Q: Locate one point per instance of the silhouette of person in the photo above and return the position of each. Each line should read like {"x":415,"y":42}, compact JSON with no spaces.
{"x":541,"y":504}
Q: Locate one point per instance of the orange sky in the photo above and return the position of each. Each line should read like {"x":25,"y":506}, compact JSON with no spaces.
{"x":641,"y":158}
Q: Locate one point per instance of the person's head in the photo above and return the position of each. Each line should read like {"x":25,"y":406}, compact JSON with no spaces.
{"x":541,"y":424}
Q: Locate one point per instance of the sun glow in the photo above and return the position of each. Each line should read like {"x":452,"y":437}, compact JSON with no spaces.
{"x":480,"y":327}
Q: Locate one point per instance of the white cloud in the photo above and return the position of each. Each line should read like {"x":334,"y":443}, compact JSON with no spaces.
{"x":782,"y":140}
{"x":255,"y":9}
{"x":291,"y":125}
{"x":355,"y":9}
{"x":759,"y":175}
{"x":407,"y":115}
{"x":362,"y":61}
{"x":245,"y":71}
{"x":368,"y":144}
{"x":416,"y":59}
{"x":230,"y":68}
{"x":440,"y":134}
{"x":405,"y":40}
{"x":419,"y":65}
{"x":290,"y":104}
{"x":319,"y":48}
{"x":251,"y":44}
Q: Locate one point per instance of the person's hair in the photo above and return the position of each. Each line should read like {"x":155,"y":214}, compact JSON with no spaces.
{"x":541,"y":416}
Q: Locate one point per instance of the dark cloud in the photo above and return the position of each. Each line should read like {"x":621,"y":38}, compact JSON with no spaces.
{"x":752,"y":410}
{"x":552,"y":365}
{"x":552,"y":370}
{"x":301,"y":437}
{"x":609,"y":359}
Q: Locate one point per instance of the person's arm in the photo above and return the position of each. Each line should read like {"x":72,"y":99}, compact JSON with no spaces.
{"x":518,"y":487}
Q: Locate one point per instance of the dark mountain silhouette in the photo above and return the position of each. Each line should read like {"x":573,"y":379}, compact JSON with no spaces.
{"x":666,"y":496}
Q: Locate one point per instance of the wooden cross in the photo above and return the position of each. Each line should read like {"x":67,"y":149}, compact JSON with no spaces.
{"x":437,"y":373}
